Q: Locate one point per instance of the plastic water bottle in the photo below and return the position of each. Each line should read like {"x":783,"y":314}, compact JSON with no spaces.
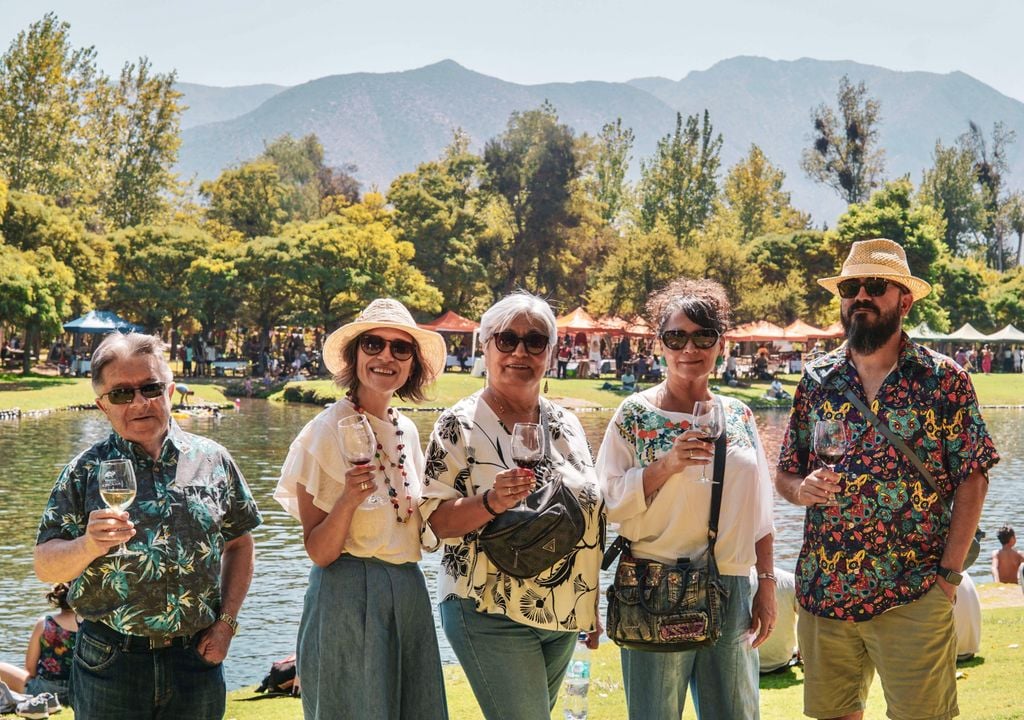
{"x":577,"y":681}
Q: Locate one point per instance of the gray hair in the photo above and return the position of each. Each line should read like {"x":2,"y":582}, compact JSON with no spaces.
{"x":118,"y":347}
{"x":510,"y":308}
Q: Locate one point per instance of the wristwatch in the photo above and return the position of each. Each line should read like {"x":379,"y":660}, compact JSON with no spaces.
{"x":950,"y":576}
{"x":230,"y":621}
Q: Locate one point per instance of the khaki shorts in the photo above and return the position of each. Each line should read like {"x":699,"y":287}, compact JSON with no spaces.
{"x":913,"y":648}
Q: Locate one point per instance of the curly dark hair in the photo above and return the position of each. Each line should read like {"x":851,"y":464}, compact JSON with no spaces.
{"x":1005,"y":534}
{"x":58,"y":596}
{"x":703,"y":301}
{"x":413,"y":389}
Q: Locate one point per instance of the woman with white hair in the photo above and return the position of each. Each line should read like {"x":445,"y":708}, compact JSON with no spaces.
{"x":513,"y":635}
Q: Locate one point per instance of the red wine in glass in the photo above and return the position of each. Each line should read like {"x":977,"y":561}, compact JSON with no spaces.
{"x":831,"y":441}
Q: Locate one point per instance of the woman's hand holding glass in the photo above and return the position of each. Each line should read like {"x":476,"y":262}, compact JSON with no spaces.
{"x":510,"y":488}
{"x":358,"y":447}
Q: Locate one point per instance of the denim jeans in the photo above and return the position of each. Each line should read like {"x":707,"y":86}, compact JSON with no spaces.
{"x":515,"y":670}
{"x":723,"y":678}
{"x":167,"y":684}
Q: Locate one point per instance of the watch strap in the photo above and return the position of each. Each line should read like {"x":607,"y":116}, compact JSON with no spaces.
{"x":230,"y":621}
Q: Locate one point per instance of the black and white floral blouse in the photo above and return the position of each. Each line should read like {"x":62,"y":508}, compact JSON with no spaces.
{"x":467,"y":448}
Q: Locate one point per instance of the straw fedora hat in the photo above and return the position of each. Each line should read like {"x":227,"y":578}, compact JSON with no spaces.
{"x":387,"y":313}
{"x":879,"y":258}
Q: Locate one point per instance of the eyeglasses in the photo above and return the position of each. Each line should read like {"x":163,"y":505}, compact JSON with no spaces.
{"x":703,"y":339}
{"x":876,"y":287}
{"x":123,"y":396}
{"x":374,"y":345}
{"x":534,"y":342}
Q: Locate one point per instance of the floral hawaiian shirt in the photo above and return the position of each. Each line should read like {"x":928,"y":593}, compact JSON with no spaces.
{"x":190,"y":502}
{"x":881,"y":547}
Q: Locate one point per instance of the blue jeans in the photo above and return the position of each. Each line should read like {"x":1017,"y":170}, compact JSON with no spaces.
{"x":515,"y":670}
{"x":723,"y":678}
{"x":108,"y":682}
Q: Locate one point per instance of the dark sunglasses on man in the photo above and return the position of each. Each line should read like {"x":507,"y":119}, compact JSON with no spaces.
{"x":875,"y":287}
{"x":507,"y":341}
{"x":374,"y":345}
{"x":123,"y":396}
{"x":703,"y":339}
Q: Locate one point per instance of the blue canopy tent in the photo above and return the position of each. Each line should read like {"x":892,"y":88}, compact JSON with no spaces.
{"x":101,"y":322}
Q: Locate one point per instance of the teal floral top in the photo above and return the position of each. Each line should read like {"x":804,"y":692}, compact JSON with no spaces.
{"x":190,"y":502}
{"x":881,"y":547}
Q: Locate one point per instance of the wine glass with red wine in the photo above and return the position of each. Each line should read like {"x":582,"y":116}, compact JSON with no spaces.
{"x":527,"y":445}
{"x":709,"y":423}
{"x":831,"y":441}
{"x":358,"y":446}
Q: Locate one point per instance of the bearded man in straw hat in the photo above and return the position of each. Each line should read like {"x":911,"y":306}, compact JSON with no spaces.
{"x":882,"y":554}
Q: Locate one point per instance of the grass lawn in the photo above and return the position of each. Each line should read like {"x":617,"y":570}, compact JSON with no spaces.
{"x":46,"y":392}
{"x":989,"y":685}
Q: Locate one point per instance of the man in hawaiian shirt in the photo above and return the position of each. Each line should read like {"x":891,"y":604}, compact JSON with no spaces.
{"x":158,"y":622}
{"x":877,"y":573}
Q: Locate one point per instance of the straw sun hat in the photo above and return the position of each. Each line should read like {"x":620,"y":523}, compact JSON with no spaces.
{"x":387,"y":313}
{"x":879,"y":258}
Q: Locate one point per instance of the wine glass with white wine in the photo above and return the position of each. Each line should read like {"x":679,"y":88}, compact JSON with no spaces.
{"x":117,"y":489}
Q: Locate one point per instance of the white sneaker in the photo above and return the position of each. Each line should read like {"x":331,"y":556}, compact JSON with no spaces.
{"x":35,"y":708}
{"x":52,"y":703}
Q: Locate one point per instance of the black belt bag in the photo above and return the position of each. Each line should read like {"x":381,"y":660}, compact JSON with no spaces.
{"x":663,"y":607}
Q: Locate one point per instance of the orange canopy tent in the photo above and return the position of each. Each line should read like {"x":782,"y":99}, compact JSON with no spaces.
{"x":579,"y":321}
{"x":834,"y":331}
{"x":451,"y":322}
{"x":759,"y":331}
{"x":799,"y":331}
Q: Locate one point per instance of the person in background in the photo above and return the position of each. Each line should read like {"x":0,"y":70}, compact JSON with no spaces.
{"x":564,"y":356}
{"x":780,"y":650}
{"x":967,"y":620}
{"x":1007,"y":559}
{"x":158,"y":622}
{"x":50,"y":652}
{"x":367,"y":646}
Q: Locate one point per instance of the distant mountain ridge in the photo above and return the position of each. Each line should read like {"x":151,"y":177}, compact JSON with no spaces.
{"x":388,"y":123}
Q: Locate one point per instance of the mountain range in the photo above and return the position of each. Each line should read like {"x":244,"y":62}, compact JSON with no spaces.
{"x":388,"y":123}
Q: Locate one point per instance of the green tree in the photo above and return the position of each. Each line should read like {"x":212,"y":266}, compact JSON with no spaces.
{"x":249,"y":198}
{"x":34,"y":287}
{"x":785,"y":268}
{"x":1005,"y":298}
{"x":642,"y":263}
{"x":890,"y":213}
{"x":845,"y":153}
{"x":265,"y":267}
{"x":530,"y":170}
{"x":437,"y":210}
{"x":678,"y":185}
{"x":152,"y":270}
{"x":1013,"y":210}
{"x":754,"y":196}
{"x":990,"y":169}
{"x":44,"y":84}
{"x":950,"y":186}
{"x":611,"y":163}
{"x":963,"y":283}
{"x":140,"y":140}
{"x":212,"y":288}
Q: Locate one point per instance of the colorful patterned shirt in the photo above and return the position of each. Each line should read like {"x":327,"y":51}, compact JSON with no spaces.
{"x":56,"y":651}
{"x":881,"y":547}
{"x":190,"y":502}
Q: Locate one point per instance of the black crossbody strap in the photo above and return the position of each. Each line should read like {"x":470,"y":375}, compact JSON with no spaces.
{"x":892,"y":437}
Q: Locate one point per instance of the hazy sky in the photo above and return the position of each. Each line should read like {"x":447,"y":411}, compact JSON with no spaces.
{"x":215,"y":42}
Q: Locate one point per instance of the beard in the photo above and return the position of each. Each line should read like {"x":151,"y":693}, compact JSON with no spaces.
{"x":865,"y":334}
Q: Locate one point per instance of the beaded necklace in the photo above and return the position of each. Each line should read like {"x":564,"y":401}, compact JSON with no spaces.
{"x":399,"y":468}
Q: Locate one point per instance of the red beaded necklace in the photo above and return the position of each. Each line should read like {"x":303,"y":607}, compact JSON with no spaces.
{"x":399,"y":467}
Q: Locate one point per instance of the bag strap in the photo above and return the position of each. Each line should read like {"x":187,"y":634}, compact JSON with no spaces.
{"x":896,"y":441}
{"x":621,"y":543}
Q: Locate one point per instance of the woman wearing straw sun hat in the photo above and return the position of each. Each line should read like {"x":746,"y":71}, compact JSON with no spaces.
{"x":367,"y":646}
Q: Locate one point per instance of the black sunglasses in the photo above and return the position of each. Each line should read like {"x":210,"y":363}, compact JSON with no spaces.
{"x":534,"y":342}
{"x":676,"y":339}
{"x":123,"y":396}
{"x":374,"y":345}
{"x":876,"y":287}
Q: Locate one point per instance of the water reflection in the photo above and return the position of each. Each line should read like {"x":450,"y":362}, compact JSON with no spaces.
{"x":35,"y":449}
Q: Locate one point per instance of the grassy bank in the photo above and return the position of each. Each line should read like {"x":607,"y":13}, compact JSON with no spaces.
{"x":989,"y":685}
{"x":33,"y":393}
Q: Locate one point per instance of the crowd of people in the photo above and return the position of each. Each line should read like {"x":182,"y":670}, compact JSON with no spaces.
{"x":882,"y":554}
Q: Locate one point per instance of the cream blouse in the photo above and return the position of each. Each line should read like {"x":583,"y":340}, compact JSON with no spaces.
{"x":673,"y":522}
{"x":467,"y":448}
{"x":315,"y":462}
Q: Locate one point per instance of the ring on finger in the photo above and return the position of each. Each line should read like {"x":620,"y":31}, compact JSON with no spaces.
{"x":364,"y":485}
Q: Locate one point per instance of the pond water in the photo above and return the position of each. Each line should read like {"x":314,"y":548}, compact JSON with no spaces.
{"x":33,"y":451}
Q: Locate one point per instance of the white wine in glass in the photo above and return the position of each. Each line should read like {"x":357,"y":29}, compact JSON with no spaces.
{"x":358,"y":446}
{"x":709,"y":423}
{"x":831,"y":441}
{"x":117,"y":489}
